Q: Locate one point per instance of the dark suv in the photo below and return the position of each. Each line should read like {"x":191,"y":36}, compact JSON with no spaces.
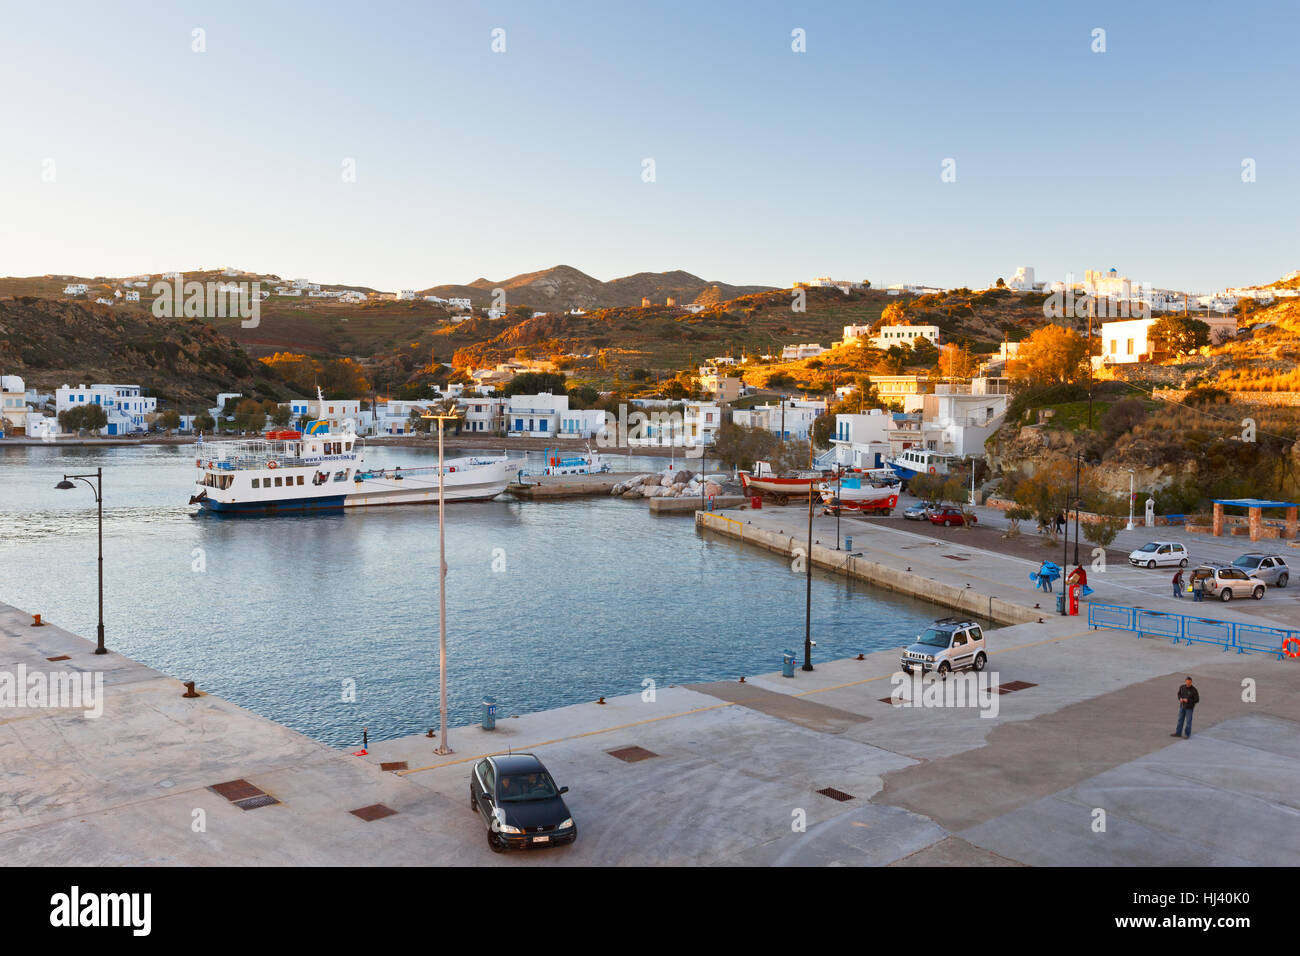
{"x":519,"y":803}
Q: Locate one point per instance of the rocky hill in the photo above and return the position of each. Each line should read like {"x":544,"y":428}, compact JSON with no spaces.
{"x":184,"y":362}
{"x":564,"y":287}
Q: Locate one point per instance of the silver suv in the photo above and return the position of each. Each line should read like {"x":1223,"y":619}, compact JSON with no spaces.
{"x":947,"y":645}
{"x":1226,"y":582}
{"x":1269,"y":568}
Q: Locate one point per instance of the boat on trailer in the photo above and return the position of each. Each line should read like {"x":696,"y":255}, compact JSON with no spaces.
{"x":763,"y":482}
{"x":318,"y":470}
{"x":866,"y":492}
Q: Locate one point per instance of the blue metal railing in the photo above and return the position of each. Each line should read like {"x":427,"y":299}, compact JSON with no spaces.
{"x":1195,"y":630}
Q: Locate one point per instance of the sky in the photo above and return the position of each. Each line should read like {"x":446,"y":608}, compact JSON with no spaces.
{"x":389,"y":145}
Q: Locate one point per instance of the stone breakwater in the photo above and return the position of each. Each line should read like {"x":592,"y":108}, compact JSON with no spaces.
{"x":673,"y":483}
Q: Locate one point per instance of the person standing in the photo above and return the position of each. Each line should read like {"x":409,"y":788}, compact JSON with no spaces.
{"x":1178,"y":584}
{"x":1188,"y":698}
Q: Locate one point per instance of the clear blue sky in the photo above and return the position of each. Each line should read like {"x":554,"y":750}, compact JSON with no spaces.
{"x":770,"y":165}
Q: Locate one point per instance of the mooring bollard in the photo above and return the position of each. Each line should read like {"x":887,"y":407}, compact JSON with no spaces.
{"x":36,"y":621}
{"x":189,"y":690}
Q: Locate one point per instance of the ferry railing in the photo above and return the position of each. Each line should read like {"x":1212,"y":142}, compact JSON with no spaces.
{"x":1187,"y":628}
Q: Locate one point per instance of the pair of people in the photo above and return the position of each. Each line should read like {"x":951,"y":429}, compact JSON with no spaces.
{"x":1198,"y":590}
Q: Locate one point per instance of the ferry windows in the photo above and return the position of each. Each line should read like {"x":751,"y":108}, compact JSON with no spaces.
{"x":255,"y":482}
{"x":300,"y":479}
{"x":279,"y":481}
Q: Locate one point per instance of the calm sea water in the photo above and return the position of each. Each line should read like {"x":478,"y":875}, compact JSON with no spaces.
{"x":548,"y":603}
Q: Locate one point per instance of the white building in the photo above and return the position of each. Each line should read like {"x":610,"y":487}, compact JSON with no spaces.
{"x":905,"y":335}
{"x":964,"y":417}
{"x":13,"y":405}
{"x":125,"y":405}
{"x":1023,"y":280}
{"x":582,"y":423}
{"x":535,"y":416}
{"x":460,"y":303}
{"x":792,"y":353}
{"x":76,"y":288}
{"x":484,"y":415}
{"x":219,"y":411}
{"x":406,"y":294}
{"x":790,"y":419}
{"x":860,"y":440}
{"x":133,"y":296}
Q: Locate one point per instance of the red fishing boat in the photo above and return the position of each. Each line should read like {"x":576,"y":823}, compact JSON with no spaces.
{"x":763,"y":482}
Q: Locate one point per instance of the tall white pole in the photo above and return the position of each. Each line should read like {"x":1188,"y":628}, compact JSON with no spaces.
{"x":442,"y":602}
{"x":1130,"y":500}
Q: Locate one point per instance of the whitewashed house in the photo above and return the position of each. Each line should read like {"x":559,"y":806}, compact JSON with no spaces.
{"x":126,"y":406}
{"x":76,"y":288}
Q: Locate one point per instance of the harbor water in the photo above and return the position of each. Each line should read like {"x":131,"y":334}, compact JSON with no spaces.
{"x":329,"y":623}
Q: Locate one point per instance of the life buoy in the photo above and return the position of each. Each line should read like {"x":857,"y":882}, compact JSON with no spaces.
{"x":453,"y":469}
{"x":272,"y":464}
{"x":198,"y":462}
{"x":1291,"y":647}
{"x":932,"y":469}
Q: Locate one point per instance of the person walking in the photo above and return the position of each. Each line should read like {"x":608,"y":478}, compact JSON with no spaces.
{"x":1060,"y":521}
{"x":1188,"y":698}
{"x":1178,"y":584}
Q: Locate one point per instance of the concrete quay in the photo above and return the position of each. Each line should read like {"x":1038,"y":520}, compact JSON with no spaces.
{"x":535,"y":487}
{"x":734,"y":773}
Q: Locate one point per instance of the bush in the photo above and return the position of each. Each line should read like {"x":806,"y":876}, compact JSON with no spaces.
{"x":1206,"y":395}
{"x":1032,"y":398}
{"x":1122,"y":417}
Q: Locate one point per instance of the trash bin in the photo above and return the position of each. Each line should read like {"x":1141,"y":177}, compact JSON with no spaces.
{"x":756,"y":502}
{"x":1060,"y":603}
{"x":489,"y":713}
{"x":848,"y":542}
{"x":787,"y":663}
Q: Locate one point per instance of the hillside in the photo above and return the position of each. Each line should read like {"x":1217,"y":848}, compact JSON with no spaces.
{"x":183,"y":362}
{"x":564,"y":287}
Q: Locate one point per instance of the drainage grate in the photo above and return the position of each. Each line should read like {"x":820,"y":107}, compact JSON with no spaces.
{"x":393,"y":765}
{"x":376,"y":811}
{"x":1014,"y":685}
{"x":236,"y":790}
{"x":834,"y":794}
{"x":631,"y":754}
{"x":955,"y":557}
{"x":252,"y":803}
{"x":61,"y":657}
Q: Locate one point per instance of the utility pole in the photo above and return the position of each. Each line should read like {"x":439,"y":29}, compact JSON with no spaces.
{"x":442,"y":748}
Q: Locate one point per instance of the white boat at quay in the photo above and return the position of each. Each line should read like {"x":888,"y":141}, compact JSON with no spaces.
{"x":287,"y":472}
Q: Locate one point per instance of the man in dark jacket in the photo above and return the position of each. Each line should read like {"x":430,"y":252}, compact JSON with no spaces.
{"x":1188,"y":698}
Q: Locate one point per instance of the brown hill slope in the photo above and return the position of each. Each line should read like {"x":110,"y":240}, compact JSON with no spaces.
{"x":182,"y":361}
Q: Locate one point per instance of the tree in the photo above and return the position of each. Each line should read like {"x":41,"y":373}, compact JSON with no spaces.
{"x":1101,"y":533}
{"x":1050,"y":355}
{"x":250,"y":415}
{"x":955,"y":361}
{"x":87,"y":417}
{"x":1001,"y":283}
{"x":534,"y":383}
{"x":169,"y":420}
{"x":1178,"y":334}
{"x":204,"y":422}
{"x":280,"y":417}
{"x":583,"y":396}
{"x":1123,"y":417}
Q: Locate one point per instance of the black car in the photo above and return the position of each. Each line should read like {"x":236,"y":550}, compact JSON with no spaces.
{"x":519,"y":803}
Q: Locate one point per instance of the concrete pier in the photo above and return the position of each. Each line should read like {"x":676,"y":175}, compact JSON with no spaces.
{"x":817,"y":769}
{"x":567,"y":486}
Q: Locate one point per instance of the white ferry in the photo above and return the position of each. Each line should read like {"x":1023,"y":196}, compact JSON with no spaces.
{"x":288,"y":472}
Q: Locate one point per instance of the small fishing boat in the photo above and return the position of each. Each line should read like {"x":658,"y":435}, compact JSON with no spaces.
{"x":763,"y":482}
{"x":556,"y":464}
{"x":911,"y":462}
{"x":855,"y":492}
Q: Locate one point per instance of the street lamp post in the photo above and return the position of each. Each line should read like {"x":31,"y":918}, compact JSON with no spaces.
{"x":98,"y":489}
{"x":442,"y":747}
{"x":1078,"y":503}
{"x":1131,"y":496}
{"x":807,"y":614}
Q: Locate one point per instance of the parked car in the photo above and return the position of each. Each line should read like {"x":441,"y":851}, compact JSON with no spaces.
{"x":949,"y":644}
{"x":918,"y":511}
{"x":519,"y":803}
{"x":949,"y":517}
{"x":1227,"y":582}
{"x":1159,"y":554}
{"x":1269,"y":568}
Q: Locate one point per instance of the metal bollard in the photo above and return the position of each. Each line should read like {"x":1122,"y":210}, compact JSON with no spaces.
{"x":189,"y":690}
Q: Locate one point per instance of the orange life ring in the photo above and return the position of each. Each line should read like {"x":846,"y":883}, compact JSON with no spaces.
{"x":932,"y":469}
{"x":272,"y":464}
{"x":198,"y":462}
{"x":1286,"y":647}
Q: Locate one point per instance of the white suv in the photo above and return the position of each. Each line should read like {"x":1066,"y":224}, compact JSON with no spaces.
{"x":947,"y":645}
{"x":1159,"y":554}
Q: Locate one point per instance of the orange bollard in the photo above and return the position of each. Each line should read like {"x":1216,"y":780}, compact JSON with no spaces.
{"x":36,"y":621}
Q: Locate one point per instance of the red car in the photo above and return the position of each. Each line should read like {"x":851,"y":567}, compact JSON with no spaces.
{"x":949,"y":517}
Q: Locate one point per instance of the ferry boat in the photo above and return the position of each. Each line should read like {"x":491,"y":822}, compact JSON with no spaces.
{"x":288,"y":472}
{"x":918,"y":461}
